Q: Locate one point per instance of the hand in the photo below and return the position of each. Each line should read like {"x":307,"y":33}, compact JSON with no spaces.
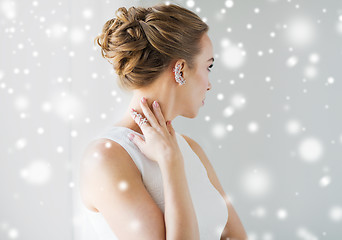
{"x":160,"y":138}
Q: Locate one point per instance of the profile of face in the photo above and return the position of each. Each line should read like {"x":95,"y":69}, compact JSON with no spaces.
{"x":193,"y":92}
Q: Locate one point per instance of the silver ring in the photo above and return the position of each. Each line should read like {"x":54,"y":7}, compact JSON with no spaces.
{"x":142,"y":121}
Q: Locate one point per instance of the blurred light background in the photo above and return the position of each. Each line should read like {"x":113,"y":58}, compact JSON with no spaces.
{"x":271,"y":124}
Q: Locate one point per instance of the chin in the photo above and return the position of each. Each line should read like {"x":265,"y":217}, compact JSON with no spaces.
{"x":190,"y":114}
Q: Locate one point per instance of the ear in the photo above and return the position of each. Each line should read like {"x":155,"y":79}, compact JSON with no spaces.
{"x":182,"y":64}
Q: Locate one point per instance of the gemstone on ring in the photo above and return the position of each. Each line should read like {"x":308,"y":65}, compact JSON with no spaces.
{"x":142,"y":121}
{"x":135,"y":114}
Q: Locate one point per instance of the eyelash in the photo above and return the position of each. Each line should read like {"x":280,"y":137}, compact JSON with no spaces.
{"x":210,"y":67}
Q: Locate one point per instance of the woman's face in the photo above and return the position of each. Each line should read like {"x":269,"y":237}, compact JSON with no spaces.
{"x":197,"y":80}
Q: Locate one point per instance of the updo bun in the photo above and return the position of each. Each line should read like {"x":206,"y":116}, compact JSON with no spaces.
{"x":140,"y":42}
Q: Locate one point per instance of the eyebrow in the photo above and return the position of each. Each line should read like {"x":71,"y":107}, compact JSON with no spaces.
{"x":211,"y":59}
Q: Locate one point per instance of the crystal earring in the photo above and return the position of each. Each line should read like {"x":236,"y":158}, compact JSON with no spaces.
{"x":178,"y":76}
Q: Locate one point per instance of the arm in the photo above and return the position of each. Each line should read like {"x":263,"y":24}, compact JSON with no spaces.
{"x":234,"y":229}
{"x":131,"y":211}
{"x":180,"y":216}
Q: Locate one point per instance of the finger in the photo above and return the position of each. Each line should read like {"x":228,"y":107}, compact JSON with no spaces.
{"x":148,"y":113}
{"x":170,"y":128}
{"x":159,"y":115}
{"x":140,"y":120}
{"x":137,"y":140}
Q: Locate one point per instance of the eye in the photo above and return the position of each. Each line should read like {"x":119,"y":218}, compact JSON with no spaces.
{"x":210,"y":67}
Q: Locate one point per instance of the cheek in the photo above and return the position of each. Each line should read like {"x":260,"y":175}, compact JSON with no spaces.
{"x":204,"y":81}
{"x":202,"y":76}
{"x":201,"y":79}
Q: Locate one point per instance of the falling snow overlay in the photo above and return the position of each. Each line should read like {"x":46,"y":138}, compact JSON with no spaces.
{"x":271,"y":125}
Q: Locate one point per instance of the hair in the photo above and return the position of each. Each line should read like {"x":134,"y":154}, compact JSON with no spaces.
{"x":141,"y":42}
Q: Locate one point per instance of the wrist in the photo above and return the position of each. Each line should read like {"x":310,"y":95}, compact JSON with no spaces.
{"x":172,"y":160}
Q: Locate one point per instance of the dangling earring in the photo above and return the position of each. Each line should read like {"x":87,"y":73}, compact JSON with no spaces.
{"x":178,"y":76}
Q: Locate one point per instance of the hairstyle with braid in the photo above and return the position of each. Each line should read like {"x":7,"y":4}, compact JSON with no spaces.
{"x":141,"y":42}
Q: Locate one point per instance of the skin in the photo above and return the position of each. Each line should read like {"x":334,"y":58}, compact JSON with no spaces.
{"x":173,"y":98}
{"x":185,"y":100}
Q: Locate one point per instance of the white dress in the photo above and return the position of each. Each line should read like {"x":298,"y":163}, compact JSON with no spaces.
{"x":210,"y":207}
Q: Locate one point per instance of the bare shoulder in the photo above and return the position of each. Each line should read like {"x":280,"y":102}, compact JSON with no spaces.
{"x":112,"y":184}
{"x":106,"y":152}
{"x":100,"y":156}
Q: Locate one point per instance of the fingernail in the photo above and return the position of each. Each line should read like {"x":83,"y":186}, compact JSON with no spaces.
{"x":130,"y":136}
{"x":143,"y":100}
{"x":155,"y":104}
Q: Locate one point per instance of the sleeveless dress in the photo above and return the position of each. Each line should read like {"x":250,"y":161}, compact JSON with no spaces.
{"x":210,"y":207}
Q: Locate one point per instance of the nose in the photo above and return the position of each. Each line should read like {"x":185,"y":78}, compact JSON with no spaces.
{"x":209,"y":86}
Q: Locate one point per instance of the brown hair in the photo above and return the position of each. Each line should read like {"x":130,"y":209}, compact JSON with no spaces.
{"x":141,"y":42}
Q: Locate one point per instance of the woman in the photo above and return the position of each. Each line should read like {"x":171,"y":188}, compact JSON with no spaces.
{"x":141,"y":179}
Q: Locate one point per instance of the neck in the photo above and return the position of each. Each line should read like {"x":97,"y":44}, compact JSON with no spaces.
{"x":164,"y":92}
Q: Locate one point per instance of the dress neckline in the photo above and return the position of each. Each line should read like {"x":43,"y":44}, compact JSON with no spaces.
{"x":128,"y":129}
{"x":131,"y":130}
